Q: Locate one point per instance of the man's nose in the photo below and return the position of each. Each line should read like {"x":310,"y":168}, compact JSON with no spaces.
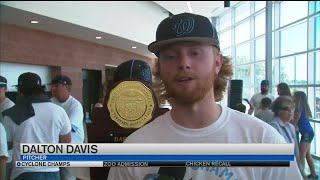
{"x":184,"y":62}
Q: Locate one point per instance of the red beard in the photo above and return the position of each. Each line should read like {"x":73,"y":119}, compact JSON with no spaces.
{"x":193,"y":92}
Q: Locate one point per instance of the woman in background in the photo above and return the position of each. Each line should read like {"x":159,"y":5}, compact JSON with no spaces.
{"x":283,"y":89}
{"x":301,"y":117}
{"x":283,"y":109}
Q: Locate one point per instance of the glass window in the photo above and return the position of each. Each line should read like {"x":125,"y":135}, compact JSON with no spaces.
{"x":242,"y":32}
{"x":291,"y":11}
{"x":273,"y":17}
{"x":260,"y":24}
{"x":225,"y":39}
{"x":243,"y":11}
{"x":225,"y":21}
{"x":244,"y":72}
{"x":273,"y":42}
{"x":301,"y":69}
{"x":293,"y":70}
{"x":260,"y":49}
{"x":317,"y":67}
{"x":259,"y":73}
{"x":317,"y":31}
{"x":243,"y":53}
{"x":293,"y":39}
{"x":259,"y":5}
{"x":226,"y":52}
{"x":314,"y":6}
{"x":317,"y":103}
{"x":294,"y":89}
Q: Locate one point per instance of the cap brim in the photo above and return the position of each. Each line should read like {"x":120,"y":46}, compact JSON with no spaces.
{"x":157,"y":45}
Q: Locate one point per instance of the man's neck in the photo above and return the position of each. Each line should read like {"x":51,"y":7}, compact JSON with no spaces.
{"x":2,"y":99}
{"x":64,"y":98}
{"x":265,"y":93}
{"x":197,"y":115}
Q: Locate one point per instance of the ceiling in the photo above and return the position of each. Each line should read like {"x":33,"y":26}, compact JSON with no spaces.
{"x":21,"y":18}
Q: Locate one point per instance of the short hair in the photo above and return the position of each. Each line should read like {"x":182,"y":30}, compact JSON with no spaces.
{"x":265,"y":102}
{"x":284,"y":89}
{"x":277,"y":104}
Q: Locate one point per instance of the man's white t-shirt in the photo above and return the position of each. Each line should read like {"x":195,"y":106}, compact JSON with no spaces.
{"x":49,"y":122}
{"x":256,"y":99}
{"x":231,"y":127}
{"x":3,"y":142}
{"x":265,"y":115}
{"x":75,"y":113}
{"x":4,"y":105}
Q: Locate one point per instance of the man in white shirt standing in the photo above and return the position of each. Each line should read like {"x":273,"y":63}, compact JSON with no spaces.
{"x":256,"y":99}
{"x":5,"y":103}
{"x":193,"y":76}
{"x":34,"y":119}
{"x":3,"y":152}
{"x":61,"y":89}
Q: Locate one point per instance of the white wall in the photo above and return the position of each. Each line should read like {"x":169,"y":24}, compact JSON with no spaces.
{"x":134,"y":20}
{"x":12,"y":71}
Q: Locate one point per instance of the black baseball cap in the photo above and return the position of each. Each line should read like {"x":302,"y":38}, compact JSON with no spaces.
{"x":264,"y":82}
{"x":3,"y":81}
{"x":184,"y":27}
{"x":61,"y":79}
{"x":29,"y":80}
{"x":133,"y":69}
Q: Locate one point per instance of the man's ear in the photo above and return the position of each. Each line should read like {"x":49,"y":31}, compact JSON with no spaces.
{"x":156,"y":68}
{"x":218,"y":62}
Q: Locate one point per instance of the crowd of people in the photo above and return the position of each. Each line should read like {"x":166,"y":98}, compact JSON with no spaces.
{"x":289,"y":115}
{"x":35,"y":118}
{"x":193,"y":76}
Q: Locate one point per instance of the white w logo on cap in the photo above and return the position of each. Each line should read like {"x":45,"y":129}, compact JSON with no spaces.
{"x":185,"y":26}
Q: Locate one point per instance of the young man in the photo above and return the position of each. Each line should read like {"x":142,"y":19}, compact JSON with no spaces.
{"x":61,"y":89}
{"x":256,"y":99}
{"x":194,"y":75}
{"x":34,"y":119}
{"x":5,"y":103}
{"x":3,"y":152}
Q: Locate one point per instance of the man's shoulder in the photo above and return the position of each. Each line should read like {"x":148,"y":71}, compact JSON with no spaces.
{"x":50,"y":105}
{"x":7,"y":103}
{"x":75,"y":102}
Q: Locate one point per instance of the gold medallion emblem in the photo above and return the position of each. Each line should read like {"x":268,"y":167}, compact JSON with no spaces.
{"x":131,"y":104}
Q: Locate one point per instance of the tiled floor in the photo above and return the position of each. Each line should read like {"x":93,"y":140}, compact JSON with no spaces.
{"x":316,"y":166}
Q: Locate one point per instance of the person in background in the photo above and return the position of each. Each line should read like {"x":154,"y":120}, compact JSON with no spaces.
{"x":3,"y":152}
{"x":264,"y":92}
{"x":34,"y":119}
{"x":283,"y":108}
{"x":283,"y":89}
{"x":61,"y":89}
{"x":264,"y":112}
{"x":194,"y":75}
{"x":251,"y":108}
{"x":301,"y":117}
{"x":5,"y":103}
